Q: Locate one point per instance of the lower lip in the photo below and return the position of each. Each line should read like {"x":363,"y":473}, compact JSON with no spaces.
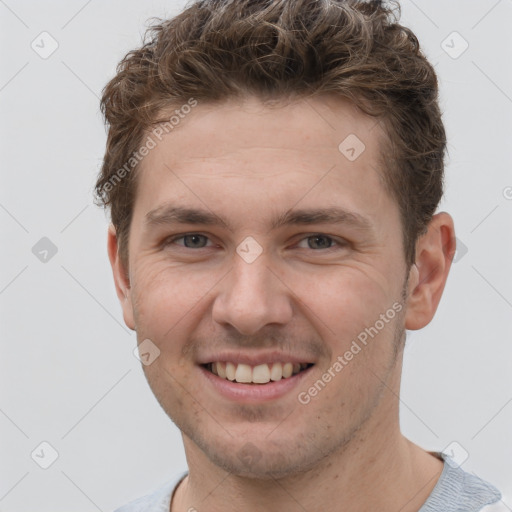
{"x":251,"y":393}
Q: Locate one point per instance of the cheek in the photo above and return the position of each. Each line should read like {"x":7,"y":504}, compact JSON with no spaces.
{"x":164,"y":297}
{"x":346,"y":298}
{"x":348,"y":306}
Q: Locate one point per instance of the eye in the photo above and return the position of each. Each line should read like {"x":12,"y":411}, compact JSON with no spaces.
{"x":315,"y":241}
{"x":320,"y":241}
{"x":191,"y":240}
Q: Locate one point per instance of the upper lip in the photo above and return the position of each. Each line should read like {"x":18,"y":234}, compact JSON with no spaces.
{"x":254,"y":359}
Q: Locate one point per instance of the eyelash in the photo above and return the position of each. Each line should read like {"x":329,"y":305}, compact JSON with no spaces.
{"x":340,"y":244}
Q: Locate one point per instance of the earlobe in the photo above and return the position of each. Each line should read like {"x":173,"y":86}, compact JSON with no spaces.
{"x":121,"y":281}
{"x":434,"y":254}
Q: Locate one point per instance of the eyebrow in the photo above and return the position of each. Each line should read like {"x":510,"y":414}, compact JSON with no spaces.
{"x":171,"y":214}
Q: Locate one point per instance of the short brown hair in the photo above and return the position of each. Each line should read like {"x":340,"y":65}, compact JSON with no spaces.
{"x":281,"y":49}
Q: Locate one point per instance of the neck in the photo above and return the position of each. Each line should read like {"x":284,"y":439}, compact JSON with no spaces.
{"x":385,"y":472}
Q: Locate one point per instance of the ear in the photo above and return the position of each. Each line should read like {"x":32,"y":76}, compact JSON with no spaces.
{"x":121,"y":280}
{"x":434,"y":254}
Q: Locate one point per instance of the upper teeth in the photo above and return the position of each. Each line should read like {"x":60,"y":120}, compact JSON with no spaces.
{"x":260,"y":374}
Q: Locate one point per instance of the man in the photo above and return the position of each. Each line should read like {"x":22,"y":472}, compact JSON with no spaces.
{"x":273,"y":169}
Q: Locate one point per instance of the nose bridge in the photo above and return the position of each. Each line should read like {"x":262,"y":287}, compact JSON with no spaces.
{"x":252,"y":296}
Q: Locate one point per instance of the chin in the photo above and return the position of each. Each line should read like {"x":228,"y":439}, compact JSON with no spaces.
{"x":257,"y":456}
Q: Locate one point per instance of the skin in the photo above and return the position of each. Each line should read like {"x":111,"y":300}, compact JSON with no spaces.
{"x":247,"y":162}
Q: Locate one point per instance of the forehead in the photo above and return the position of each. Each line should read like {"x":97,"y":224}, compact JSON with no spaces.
{"x":322,"y":122}
{"x":321,"y":149}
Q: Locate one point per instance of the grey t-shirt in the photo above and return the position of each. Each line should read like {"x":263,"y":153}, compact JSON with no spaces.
{"x":455,"y":491}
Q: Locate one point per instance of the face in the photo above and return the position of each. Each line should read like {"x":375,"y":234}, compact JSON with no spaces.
{"x":261,"y":274}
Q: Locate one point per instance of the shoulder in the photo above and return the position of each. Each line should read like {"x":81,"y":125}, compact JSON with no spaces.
{"x":159,"y":500}
{"x":457,"y":490}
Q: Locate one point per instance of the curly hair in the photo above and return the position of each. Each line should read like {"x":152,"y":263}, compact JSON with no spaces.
{"x":216,"y":50}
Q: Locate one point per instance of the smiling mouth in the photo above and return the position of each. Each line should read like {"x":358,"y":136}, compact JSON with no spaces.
{"x":259,"y":374}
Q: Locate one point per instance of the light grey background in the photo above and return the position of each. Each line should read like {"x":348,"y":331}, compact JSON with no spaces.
{"x":68,"y":373}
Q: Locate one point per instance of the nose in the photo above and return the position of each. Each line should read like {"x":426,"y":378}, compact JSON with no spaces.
{"x":251,"y":296}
